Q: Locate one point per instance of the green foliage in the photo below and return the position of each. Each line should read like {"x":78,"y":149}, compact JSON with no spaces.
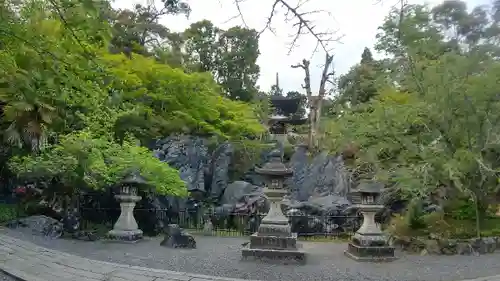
{"x":360,"y":84}
{"x":83,"y":160}
{"x":8,"y":212}
{"x":172,"y":101}
{"x":44,"y":86}
{"x":439,"y":131}
{"x":77,"y":78}
{"x":139,"y":30}
{"x":414,"y":215}
{"x":247,"y":154}
{"x":432,"y":126}
{"x":437,"y":225}
{"x":230,"y":55}
{"x":464,"y":208}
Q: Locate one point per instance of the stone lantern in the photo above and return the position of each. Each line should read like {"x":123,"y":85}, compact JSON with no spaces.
{"x":369,"y":243}
{"x":126,"y":228}
{"x":274,"y":238}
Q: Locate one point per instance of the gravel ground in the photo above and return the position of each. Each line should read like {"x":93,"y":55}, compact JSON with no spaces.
{"x":222,"y":257}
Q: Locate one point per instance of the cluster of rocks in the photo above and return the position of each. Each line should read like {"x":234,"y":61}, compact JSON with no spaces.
{"x":473,"y":246}
{"x":318,"y":188}
{"x":317,"y":201}
{"x":38,"y":225}
{"x":52,"y":228}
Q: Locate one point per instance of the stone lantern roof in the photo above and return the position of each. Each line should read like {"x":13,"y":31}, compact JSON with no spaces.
{"x":275,"y":166}
{"x":369,"y":187}
{"x":134,"y":179}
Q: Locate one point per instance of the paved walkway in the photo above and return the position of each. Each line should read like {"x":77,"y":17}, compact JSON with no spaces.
{"x":29,"y":262}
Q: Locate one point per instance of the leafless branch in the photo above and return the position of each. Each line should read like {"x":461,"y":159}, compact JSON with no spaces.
{"x":237,"y":2}
{"x":270,"y":19}
{"x":300,"y":21}
{"x":305,"y":26}
{"x":239,"y":15}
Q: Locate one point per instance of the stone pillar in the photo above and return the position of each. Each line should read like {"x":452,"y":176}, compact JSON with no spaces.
{"x":126,"y":228}
{"x":275,"y":222}
{"x":369,"y":226}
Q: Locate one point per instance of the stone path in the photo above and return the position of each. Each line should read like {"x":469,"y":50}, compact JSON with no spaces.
{"x":217,"y":256}
{"x":29,"y":262}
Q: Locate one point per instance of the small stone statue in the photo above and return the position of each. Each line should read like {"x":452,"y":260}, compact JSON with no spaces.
{"x":71,"y":225}
{"x":71,"y":222}
{"x":176,"y":237}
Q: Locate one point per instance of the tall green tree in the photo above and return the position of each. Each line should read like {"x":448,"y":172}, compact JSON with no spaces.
{"x":359,"y":84}
{"x":138,"y":30}
{"x":237,"y":69}
{"x":230,"y":55}
{"x":201,"y":43}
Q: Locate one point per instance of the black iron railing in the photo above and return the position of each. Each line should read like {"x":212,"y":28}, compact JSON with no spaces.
{"x":152,"y":221}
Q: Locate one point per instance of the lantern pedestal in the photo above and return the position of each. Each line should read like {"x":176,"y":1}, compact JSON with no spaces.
{"x":274,"y":239}
{"x":369,"y":243}
{"x":125,"y":228}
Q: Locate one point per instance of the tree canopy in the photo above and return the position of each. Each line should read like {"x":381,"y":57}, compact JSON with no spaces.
{"x":79,"y":79}
{"x":428,"y":119}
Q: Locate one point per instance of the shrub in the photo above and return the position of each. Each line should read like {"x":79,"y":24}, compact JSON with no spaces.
{"x":8,"y":212}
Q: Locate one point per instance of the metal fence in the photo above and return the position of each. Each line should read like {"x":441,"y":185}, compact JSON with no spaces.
{"x":152,"y":222}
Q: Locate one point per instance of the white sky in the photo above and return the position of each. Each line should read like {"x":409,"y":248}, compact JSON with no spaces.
{"x":356,"y":20}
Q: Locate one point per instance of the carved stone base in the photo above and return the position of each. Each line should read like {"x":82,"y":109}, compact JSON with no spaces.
{"x":370,"y":253}
{"x":125,"y":236}
{"x":370,"y":239}
{"x":274,"y":248}
{"x":273,"y":242}
{"x":274,"y":255}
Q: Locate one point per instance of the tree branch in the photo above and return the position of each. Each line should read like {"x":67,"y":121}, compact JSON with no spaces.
{"x":325,"y":75}
{"x":303,"y":25}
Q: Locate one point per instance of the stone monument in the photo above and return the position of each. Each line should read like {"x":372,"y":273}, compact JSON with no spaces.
{"x":274,"y":238}
{"x":126,"y":228}
{"x":369,"y":243}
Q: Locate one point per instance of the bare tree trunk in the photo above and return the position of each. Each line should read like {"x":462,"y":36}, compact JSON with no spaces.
{"x":311,"y":134}
{"x":314,"y":103}
{"x":314,"y":121}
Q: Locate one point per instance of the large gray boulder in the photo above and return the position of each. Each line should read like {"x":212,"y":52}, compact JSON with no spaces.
{"x":187,"y":154}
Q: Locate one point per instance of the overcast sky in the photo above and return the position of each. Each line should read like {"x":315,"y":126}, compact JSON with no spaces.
{"x":356,"y":20}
